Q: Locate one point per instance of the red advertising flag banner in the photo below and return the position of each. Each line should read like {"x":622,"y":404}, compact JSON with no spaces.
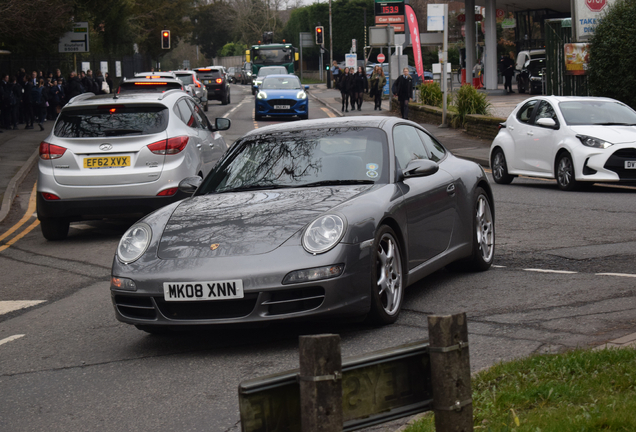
{"x":415,"y":39}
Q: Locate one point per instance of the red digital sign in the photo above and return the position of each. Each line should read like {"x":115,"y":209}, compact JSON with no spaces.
{"x":389,"y":9}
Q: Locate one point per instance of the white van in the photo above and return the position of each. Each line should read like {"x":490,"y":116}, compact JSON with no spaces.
{"x":524,"y":56}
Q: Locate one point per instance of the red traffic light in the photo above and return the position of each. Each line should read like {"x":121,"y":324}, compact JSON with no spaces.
{"x":319,"y":35}
{"x":165,"y":39}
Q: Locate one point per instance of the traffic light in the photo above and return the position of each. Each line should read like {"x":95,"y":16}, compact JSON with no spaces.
{"x":165,"y":39}
{"x":320,"y":35}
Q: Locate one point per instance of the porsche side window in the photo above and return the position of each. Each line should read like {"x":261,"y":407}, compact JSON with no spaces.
{"x":434,"y":148}
{"x":408,"y":145}
{"x":525,"y":113}
{"x":546,"y":111}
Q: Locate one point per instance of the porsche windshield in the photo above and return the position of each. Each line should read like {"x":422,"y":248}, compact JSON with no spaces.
{"x":334,"y":156}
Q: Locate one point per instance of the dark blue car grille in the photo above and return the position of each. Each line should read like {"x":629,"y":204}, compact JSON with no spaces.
{"x":290,"y":102}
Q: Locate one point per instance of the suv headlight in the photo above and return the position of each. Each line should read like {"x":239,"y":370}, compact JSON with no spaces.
{"x":594,"y":142}
{"x":134,"y":243}
{"x":323,"y":234}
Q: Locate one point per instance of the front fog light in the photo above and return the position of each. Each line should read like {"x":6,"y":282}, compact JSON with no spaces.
{"x":134,"y":243}
{"x":313,"y":274}
{"x":120,"y":283}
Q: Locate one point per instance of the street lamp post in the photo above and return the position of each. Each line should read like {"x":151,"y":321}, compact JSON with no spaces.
{"x":330,"y":49}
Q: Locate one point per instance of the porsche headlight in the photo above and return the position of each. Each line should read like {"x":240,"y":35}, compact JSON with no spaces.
{"x":301,"y":95}
{"x":594,"y":142}
{"x":261,"y":95}
{"x":134,"y":243}
{"x":323,"y":234}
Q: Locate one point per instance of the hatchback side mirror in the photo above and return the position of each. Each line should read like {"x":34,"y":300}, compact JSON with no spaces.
{"x":222,"y":124}
{"x":190,"y":184}
{"x":547,"y":122}
{"x":306,"y":87}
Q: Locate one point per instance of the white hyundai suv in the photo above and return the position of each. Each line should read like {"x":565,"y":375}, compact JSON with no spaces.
{"x":122,"y":156}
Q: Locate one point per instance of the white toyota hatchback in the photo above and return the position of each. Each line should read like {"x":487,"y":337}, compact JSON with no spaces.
{"x":576,"y":140}
{"x":122,"y":156}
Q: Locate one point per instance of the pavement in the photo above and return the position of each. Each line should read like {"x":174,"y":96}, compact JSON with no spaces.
{"x":19,"y":149}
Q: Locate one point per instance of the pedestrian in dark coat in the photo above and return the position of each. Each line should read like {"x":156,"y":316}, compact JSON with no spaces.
{"x":56,"y":94}
{"x":5,"y":105}
{"x":74,"y":86}
{"x":110,"y":83}
{"x":376,"y":86}
{"x":508,"y":71}
{"x":345,"y":88}
{"x":39,"y":97}
{"x":15,"y":100}
{"x":27,"y":106}
{"x":403,"y":89}
{"x":360,"y":86}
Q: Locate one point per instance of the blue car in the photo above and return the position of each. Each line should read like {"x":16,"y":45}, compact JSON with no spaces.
{"x":281,"y":95}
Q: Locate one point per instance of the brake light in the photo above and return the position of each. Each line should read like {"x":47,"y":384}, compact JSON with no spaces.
{"x":219,"y":80}
{"x":50,"y":151}
{"x":168,"y":192}
{"x":151,"y":83}
{"x":153,"y":76}
{"x":170,"y":146}
{"x":204,"y":70}
{"x":49,"y":196}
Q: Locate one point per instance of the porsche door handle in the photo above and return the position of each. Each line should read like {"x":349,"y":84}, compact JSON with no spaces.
{"x":450,"y":189}
{"x":530,"y":133}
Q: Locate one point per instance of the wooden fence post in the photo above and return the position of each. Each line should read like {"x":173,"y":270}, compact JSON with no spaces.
{"x":320,"y":383}
{"x":450,"y":373}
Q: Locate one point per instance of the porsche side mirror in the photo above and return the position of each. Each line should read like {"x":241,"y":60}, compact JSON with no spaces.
{"x":190,"y":184}
{"x":420,"y":168}
{"x":547,"y":122}
{"x":222,"y":124}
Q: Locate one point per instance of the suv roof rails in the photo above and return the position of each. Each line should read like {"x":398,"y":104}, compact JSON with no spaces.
{"x":80,"y":97}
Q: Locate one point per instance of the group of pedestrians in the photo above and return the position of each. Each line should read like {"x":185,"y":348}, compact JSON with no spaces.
{"x":353,"y":84}
{"x":27,"y":98}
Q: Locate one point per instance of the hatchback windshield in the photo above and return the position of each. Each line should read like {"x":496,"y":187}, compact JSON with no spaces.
{"x":186,"y":78}
{"x":262,"y":72}
{"x":155,"y":86}
{"x":597,"y":112}
{"x":288,"y":83}
{"x":333,"y":156}
{"x":111,"y":120}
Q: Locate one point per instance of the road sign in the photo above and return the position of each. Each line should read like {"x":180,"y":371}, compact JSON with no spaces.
{"x":499,"y":13}
{"x":381,"y":58}
{"x":351,"y":60}
{"x":595,"y":5}
{"x":76,"y":40}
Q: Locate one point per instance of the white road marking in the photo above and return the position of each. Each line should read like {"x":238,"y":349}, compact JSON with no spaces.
{"x":13,"y":305}
{"x":616,"y":274}
{"x":550,"y":271}
{"x":247,"y":98}
{"x":10,"y":338}
{"x":498,"y":266}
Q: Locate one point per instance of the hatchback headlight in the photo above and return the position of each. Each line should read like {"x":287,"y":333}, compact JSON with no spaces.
{"x":323,"y":234}
{"x":261,"y":95}
{"x":594,"y":142}
{"x":301,"y":95}
{"x":134,"y":243}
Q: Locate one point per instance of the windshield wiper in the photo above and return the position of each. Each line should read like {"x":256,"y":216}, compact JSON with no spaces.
{"x":117,"y":132}
{"x":336,"y":183}
{"x":613,"y":124}
{"x":253,"y":188}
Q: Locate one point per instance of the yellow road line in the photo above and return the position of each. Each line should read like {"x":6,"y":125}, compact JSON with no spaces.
{"x":328,"y":111}
{"x":26,"y":217}
{"x":19,"y":236}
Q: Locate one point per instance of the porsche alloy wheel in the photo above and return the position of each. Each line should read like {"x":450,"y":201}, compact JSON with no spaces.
{"x":388,"y":289}
{"x":484,"y":249}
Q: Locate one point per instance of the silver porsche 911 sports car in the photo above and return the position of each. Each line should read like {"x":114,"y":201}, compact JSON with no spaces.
{"x":310,"y":220}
